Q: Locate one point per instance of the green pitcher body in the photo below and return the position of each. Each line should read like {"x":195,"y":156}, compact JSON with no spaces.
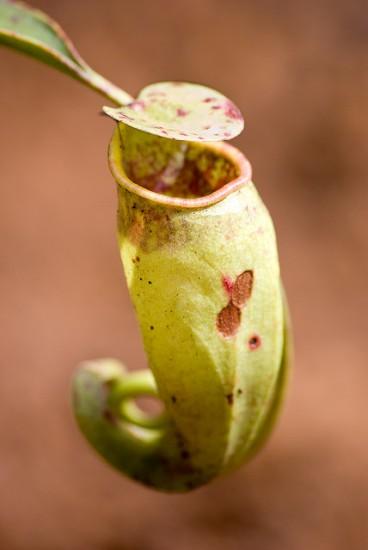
{"x":203,"y":275}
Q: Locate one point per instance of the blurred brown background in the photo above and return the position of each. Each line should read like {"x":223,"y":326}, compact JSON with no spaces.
{"x":298,"y":70}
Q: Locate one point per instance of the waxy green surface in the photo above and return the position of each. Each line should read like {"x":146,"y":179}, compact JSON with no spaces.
{"x":206,"y":288}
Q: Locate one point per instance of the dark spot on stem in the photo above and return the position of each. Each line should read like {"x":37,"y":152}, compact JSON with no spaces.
{"x":185,"y":455}
{"x":242,"y":288}
{"x":254,"y":342}
{"x":230,"y":398}
{"x":152,"y":327}
{"x":228,"y":320}
{"x":173,"y":398}
{"x":109,"y":416}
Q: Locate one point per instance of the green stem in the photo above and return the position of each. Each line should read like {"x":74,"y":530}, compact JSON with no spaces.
{"x":136,"y":416}
{"x":103,"y":86}
{"x":122,"y":395}
{"x":134,"y":384}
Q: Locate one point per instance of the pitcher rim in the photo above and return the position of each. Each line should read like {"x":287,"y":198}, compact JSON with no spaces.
{"x":115,"y":156}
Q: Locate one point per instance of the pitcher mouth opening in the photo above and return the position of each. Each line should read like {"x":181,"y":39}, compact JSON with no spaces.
{"x":198,"y":175}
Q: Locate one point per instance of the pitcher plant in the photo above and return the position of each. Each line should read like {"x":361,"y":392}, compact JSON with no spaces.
{"x":200,"y":258}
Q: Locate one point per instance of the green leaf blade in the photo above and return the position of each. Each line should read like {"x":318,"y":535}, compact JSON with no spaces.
{"x":34,"y":33}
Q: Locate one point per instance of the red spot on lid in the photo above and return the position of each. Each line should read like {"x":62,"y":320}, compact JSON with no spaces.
{"x":137,"y":105}
{"x":232,"y":111}
{"x":214,"y":107}
{"x":181,"y":112}
{"x":209,"y":99}
{"x":230,"y":398}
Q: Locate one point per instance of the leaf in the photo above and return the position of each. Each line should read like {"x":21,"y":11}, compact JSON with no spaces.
{"x":181,"y":111}
{"x":34,"y":33}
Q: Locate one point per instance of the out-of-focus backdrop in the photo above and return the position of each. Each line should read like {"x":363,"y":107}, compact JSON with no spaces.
{"x":298,"y":71}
